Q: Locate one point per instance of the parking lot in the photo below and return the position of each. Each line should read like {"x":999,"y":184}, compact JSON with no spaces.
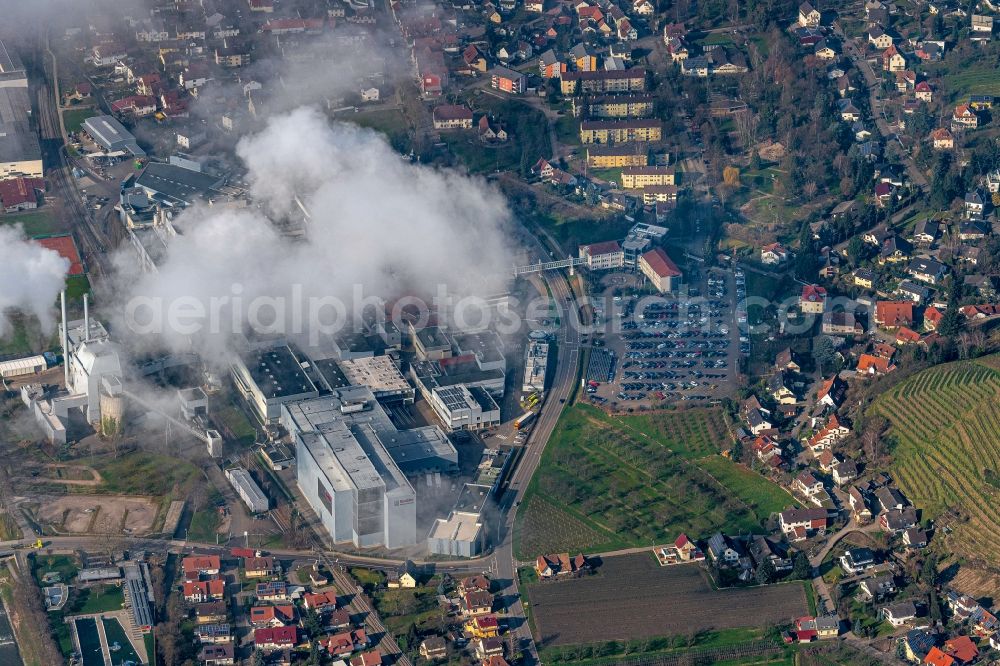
{"x":676,"y":348}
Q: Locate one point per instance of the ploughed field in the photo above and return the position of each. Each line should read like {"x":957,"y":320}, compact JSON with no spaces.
{"x":632,"y":596}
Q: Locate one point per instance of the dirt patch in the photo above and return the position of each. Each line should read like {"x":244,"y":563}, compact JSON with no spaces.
{"x":631,"y":596}
{"x":73,"y":475}
{"x":81,"y":514}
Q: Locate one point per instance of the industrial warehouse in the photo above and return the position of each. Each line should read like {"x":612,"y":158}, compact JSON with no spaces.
{"x":20,"y":151}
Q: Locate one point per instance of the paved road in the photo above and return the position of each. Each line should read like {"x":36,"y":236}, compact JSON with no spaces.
{"x":874,"y":85}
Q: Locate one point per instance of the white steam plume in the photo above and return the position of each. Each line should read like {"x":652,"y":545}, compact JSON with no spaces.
{"x":31,"y":277}
{"x":376,"y":221}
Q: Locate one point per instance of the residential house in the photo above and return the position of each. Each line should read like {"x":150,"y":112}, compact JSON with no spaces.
{"x":915,"y":538}
{"x":890,"y":498}
{"x":844,"y":472}
{"x":841,"y":323}
{"x":831,"y":433}
{"x":893,"y":314}
{"x":807,"y":484}
{"x":485,"y":648}
{"x":799,"y":523}
{"x":864,"y":277}
{"x":474,"y":58}
{"x":560,"y":564}
{"x":198,"y":591}
{"x":879,"y":38}
{"x":962,"y":648}
{"x":680,"y":551}
{"x":779,"y":386}
{"x":964,"y":117}
{"x":787,"y":359}
{"x":848,"y":111}
{"x":211,"y":612}
{"x":917,"y":644}
{"x":982,"y":24}
{"x":433,"y":648}
{"x":812,"y":300}
{"x":859,"y":506}
{"x":757,"y":421}
{"x":213,"y":633}
{"x":857,"y":560}
{"x":773,"y":254}
{"x":893,"y":60}
{"x":321,"y":602}
{"x":259,"y":567}
{"x":345,"y":643}
{"x":927,"y":270}
{"x":477,"y":602}
{"x":400,"y":579}
{"x":896,"y":521}
{"x":370,"y":658}
{"x":878,"y":587}
{"x":275,"y":638}
{"x":831,"y":392}
{"x":923,"y":92}
{"x":917,"y":293}
{"x":217,"y":655}
{"x":809,"y":16}
{"x":926,"y":231}
{"x":899,"y":614}
{"x":272,"y":616}
{"x":483,"y":626}
{"x":762,"y":549}
{"x":942,"y":139}
{"x":449,"y":116}
{"x":476,"y":583}
{"x":975,"y":205}
{"x":724,"y":550}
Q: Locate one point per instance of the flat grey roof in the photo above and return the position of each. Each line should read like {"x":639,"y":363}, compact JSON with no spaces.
{"x":18,"y":141}
{"x":9,"y":62}
{"x":277,"y":373}
{"x":175,"y":182}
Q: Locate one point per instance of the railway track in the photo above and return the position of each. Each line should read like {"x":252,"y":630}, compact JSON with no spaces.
{"x":92,"y":241}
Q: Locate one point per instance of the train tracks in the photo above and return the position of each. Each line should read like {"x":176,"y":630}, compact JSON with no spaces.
{"x":92,"y":241}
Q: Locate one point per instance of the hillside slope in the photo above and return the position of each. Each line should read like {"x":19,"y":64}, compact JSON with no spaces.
{"x":947,"y":422}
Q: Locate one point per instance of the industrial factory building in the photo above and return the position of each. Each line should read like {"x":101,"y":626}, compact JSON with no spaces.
{"x":20,"y":152}
{"x":176,"y":184}
{"x":536,"y":363}
{"x":112,"y":136}
{"x":20,"y":367}
{"x":462,"y":407}
{"x":381,"y":375}
{"x":352,"y":464}
{"x":248,"y":490}
{"x":461,"y":534}
{"x":269,"y":378}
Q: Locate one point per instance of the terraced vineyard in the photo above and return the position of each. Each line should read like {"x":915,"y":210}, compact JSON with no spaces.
{"x":947,"y":422}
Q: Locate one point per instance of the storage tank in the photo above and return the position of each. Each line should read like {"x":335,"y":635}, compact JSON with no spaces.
{"x":112,"y":414}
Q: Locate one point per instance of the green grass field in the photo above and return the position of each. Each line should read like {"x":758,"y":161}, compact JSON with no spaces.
{"x":946,"y":421}
{"x":390,"y":122}
{"x":607,"y":483}
{"x":36,"y":223}
{"x":980,"y":79}
{"x":144,"y":473}
{"x":479,"y":158}
{"x":73,"y":118}
{"x":708,"y":647}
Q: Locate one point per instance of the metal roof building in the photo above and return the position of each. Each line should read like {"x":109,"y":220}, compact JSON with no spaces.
{"x":19,"y":367}
{"x":248,"y":489}
{"x":112,"y":136}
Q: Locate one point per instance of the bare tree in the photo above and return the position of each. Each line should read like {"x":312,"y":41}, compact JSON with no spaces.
{"x":746,"y":125}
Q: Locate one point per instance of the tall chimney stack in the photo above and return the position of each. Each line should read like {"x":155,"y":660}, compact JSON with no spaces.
{"x":65,"y":338}
{"x":86,"y":319}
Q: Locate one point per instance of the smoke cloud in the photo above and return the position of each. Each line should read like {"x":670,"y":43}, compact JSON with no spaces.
{"x":376,"y":221}
{"x":31,"y":277}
